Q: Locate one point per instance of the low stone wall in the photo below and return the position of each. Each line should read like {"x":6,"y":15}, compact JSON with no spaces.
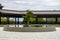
{"x":29,"y":29}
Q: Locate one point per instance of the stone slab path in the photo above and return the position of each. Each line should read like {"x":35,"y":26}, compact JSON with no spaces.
{"x":7,"y":35}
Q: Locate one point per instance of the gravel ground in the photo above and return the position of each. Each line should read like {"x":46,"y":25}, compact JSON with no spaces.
{"x":7,"y":35}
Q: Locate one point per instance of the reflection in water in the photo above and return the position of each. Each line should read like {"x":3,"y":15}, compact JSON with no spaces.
{"x":16,"y":25}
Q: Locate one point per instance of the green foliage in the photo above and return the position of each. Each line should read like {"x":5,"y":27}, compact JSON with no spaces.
{"x":58,"y":20}
{"x":32,"y":20}
{"x":41,"y":20}
{"x":50,"y":20}
{"x":27,"y":17}
{"x":4,"y":21}
{"x":12,"y":21}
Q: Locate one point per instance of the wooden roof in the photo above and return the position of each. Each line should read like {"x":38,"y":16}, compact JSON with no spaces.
{"x":36,"y":12}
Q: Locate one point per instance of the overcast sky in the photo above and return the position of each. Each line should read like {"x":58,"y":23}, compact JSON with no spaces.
{"x":31,"y":4}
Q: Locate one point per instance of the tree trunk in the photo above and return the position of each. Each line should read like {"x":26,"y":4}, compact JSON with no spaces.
{"x":27,"y":23}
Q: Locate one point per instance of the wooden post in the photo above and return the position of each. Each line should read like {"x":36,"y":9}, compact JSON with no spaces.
{"x":15,"y":21}
{"x":46,"y":21}
{"x":8,"y":21}
{"x":56,"y":21}
{"x":18,"y":21}
{"x":36,"y":20}
{"x":0,"y":17}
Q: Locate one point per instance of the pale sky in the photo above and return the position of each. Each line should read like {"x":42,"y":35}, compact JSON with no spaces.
{"x":31,"y":4}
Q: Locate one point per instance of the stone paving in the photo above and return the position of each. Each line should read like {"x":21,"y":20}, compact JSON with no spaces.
{"x":7,"y":35}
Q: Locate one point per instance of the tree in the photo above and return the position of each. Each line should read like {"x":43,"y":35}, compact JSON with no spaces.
{"x":1,"y":6}
{"x":33,"y":20}
{"x":28,"y":17}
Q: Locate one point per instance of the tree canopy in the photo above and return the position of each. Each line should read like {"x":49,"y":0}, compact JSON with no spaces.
{"x":28,"y":17}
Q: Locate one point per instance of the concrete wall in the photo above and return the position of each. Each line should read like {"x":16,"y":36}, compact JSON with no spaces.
{"x":29,"y":29}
